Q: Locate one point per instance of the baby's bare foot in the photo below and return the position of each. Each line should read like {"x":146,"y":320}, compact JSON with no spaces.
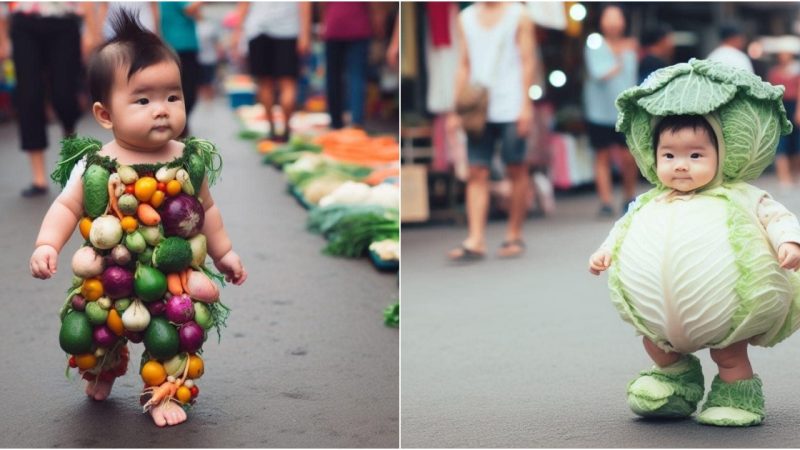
{"x":98,"y":389}
{"x":169,"y":413}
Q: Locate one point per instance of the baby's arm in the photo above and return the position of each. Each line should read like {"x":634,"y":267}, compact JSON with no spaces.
{"x":57,"y":227}
{"x":783,"y":231}
{"x":218,"y":244}
{"x":601,"y":259}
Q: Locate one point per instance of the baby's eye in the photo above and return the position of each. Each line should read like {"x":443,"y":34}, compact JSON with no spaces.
{"x":173,"y":98}
{"x":667,"y":156}
{"x":142,"y":101}
{"x":695,"y":156}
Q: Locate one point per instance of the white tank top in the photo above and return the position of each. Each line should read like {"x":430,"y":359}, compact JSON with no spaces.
{"x":280,"y":20}
{"x":501,"y":73}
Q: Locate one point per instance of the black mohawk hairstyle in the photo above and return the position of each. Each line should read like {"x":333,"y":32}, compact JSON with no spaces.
{"x":133,"y":47}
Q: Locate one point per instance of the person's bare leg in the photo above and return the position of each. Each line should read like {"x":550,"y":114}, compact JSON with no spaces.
{"x":783,"y":171}
{"x":602,"y":175}
{"x":288,"y":99}
{"x":630,"y":174}
{"x":733,"y":363}
{"x":477,"y":210}
{"x":169,"y":413}
{"x":266,"y":96}
{"x":99,"y":390}
{"x":38,"y":167}
{"x":517,"y":210}
{"x":660,"y":357}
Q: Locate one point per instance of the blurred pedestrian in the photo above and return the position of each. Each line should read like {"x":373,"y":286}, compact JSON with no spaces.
{"x":45,"y":40}
{"x":658,"y":46}
{"x":208,"y":40}
{"x":730,"y":50}
{"x":179,"y":31}
{"x":277,"y":34}
{"x":497,"y":55}
{"x":787,"y":73}
{"x":611,"y":68}
{"x":347,"y":32}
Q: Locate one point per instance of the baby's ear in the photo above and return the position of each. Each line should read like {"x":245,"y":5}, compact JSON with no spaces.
{"x":102,"y":115}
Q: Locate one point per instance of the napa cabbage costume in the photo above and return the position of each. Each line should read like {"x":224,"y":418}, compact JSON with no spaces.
{"x":141,"y":275}
{"x":700,"y":270}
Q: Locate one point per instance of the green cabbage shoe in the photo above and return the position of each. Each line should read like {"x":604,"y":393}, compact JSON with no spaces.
{"x":738,"y":404}
{"x":668,"y":392}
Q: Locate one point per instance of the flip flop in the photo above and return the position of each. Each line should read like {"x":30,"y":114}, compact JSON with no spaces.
{"x":511,"y":249}
{"x":465,"y":255}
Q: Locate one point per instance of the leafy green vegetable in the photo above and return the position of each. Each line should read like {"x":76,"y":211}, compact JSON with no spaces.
{"x":747,"y":114}
{"x":391,"y":315}
{"x":351,"y":228}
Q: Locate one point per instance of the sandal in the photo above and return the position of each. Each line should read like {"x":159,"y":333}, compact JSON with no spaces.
{"x":34,"y":191}
{"x":464,"y":254}
{"x":511,"y":249}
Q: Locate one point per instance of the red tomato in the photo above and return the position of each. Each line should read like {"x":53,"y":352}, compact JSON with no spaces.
{"x":194,"y":390}
{"x":129,"y":188}
{"x":161,"y":186}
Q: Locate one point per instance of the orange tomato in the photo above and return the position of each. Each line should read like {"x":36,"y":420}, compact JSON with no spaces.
{"x":129,"y":224}
{"x":86,"y":361}
{"x":114,"y":322}
{"x":85,"y":226}
{"x":153,"y":373}
{"x":92,"y":289}
{"x":195,"y":367}
{"x":183,"y":394}
{"x":173,"y":188}
{"x":144,"y":188}
{"x":157,"y":199}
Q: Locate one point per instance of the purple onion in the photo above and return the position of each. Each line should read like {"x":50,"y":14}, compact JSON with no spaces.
{"x":182,"y":215}
{"x":180,"y":309}
{"x":78,"y":303}
{"x":103,"y":336}
{"x":134,"y":336}
{"x":190,"y":337}
{"x":117,"y":282}
{"x":156,"y":308}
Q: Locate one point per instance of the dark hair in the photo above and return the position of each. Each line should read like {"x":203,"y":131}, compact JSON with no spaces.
{"x":729,"y":30}
{"x":653,"y":35}
{"x":133,"y":48}
{"x":677,"y":123}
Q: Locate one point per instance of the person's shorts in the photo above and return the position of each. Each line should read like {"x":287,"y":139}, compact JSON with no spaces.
{"x":789,"y":145}
{"x":512,"y":147}
{"x":208,"y":72}
{"x":604,"y":136}
{"x":273,"y":57}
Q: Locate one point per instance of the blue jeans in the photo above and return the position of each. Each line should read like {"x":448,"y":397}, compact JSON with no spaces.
{"x":346,"y":59}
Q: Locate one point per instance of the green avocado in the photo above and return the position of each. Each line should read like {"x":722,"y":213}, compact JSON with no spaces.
{"x":161,"y":338}
{"x":75,"y":336}
{"x":149,"y":283}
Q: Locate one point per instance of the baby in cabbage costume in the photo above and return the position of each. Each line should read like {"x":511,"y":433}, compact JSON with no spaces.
{"x":703,"y":260}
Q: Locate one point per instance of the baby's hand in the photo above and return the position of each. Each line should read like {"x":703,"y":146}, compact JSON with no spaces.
{"x":43,"y":262}
{"x":599,"y":261}
{"x":231,"y":266}
{"x":789,"y":255}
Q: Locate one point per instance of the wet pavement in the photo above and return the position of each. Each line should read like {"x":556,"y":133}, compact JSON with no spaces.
{"x":531,"y":353}
{"x":305,"y":361}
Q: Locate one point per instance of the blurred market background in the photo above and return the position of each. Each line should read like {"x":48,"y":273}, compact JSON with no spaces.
{"x":310,"y":354}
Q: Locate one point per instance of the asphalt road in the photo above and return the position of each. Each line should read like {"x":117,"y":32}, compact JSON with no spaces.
{"x":305,"y":361}
{"x":531,"y":353}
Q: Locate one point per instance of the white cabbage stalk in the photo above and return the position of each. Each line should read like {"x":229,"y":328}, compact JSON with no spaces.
{"x":679,"y":274}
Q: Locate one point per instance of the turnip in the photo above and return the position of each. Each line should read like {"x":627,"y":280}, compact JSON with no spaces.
{"x":136,"y":317}
{"x":157,"y":308}
{"x":106,"y":232}
{"x":103,"y":336}
{"x":190,"y":336}
{"x":201,"y":288}
{"x":179,"y":309}
{"x":121,"y":255}
{"x":117,"y":282}
{"x":87,"y":263}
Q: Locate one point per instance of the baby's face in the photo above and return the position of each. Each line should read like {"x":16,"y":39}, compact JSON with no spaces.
{"x":147,"y":111}
{"x":686,"y":159}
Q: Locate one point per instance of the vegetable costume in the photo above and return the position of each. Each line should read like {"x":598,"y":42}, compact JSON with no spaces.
{"x":142,"y":282}
{"x":700,"y":270}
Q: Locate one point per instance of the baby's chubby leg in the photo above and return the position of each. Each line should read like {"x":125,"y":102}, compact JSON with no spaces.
{"x":733,"y":363}
{"x":736,"y":398}
{"x":670,"y":389}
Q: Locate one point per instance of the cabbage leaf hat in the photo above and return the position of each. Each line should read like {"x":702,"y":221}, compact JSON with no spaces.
{"x":746,"y":113}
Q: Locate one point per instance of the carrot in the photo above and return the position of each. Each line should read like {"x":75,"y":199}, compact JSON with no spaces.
{"x":174,"y":285}
{"x":378,"y":175}
{"x":147,"y":215}
{"x":112,"y":201}
{"x":184,"y":277}
{"x":160,"y":394}
{"x":114,"y":322}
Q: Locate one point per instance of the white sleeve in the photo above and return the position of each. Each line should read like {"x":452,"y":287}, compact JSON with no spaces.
{"x":77,"y":173}
{"x":781,"y":225}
